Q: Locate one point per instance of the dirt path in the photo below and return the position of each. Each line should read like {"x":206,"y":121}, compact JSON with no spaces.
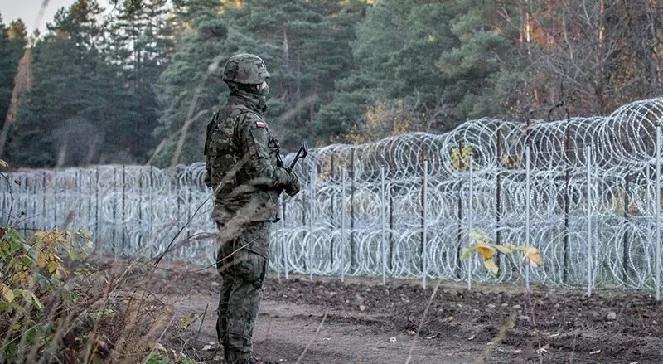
{"x":496,"y":322}
{"x":284,"y":330}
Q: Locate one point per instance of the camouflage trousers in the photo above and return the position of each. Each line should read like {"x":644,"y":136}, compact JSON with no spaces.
{"x":242,"y":264}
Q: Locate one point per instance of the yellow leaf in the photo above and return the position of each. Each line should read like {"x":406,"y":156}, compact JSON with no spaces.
{"x":504,"y":249}
{"x":486,"y":251}
{"x":7,"y":293}
{"x":490,"y":265}
{"x":533,"y":256}
{"x":53,"y":267}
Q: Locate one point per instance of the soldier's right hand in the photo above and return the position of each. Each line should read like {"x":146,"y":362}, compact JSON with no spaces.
{"x":292,"y":186}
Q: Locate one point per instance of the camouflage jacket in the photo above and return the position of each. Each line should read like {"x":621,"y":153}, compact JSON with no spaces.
{"x":243,"y":162}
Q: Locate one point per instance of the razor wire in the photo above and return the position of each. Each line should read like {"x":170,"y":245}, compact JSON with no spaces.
{"x":403,"y":206}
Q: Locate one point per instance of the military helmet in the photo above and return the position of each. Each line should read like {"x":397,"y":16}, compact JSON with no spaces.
{"x":245,"y":69}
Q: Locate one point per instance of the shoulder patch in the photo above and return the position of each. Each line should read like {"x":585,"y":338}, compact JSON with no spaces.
{"x":260,"y":124}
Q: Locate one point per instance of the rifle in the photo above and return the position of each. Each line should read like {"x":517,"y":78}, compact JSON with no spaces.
{"x":301,"y":154}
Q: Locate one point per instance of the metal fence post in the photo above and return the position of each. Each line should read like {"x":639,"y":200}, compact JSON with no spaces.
{"x":43,"y":202}
{"x":284,"y":244}
{"x":658,"y":213}
{"x":96,"y":213}
{"x":124,"y":229}
{"x":353,"y":177}
{"x":528,"y":193}
{"x":424,"y":226}
{"x":311,"y":192}
{"x":383,"y":222}
{"x":343,"y":244}
{"x":470,"y":264}
{"x":588,"y":153}
{"x":55,"y":199}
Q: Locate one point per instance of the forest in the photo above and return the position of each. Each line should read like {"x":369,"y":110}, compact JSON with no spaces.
{"x":135,"y":82}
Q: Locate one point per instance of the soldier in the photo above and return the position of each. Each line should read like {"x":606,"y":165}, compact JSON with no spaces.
{"x":245,"y":170}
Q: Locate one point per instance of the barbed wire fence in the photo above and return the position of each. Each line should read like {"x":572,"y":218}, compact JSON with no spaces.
{"x":584,"y":191}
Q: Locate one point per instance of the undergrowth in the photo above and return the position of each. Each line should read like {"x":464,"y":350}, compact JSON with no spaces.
{"x":55,"y":306}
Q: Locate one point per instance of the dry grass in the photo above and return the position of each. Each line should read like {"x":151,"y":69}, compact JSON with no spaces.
{"x":87,"y":312}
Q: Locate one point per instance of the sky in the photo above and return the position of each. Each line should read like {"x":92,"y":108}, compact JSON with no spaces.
{"x":28,"y":10}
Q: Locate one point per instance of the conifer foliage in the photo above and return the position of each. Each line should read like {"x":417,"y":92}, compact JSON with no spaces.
{"x":138,"y":81}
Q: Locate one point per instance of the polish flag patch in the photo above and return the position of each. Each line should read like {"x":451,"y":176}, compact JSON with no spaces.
{"x":260,"y":124}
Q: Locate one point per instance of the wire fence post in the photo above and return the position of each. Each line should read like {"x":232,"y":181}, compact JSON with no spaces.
{"x":124,"y":196}
{"x":528,"y":197}
{"x":498,"y":195}
{"x":343,"y":244}
{"x":332,"y":208}
{"x":588,"y":153}
{"x":311,"y":191}
{"x":353,"y":176}
{"x":470,"y":263}
{"x":89,"y":201}
{"x":424,"y":225}
{"x":43,"y":202}
{"x":658,"y":213}
{"x":55,"y":199}
{"x":150,"y":194}
{"x":459,"y":216}
{"x":390,"y":193}
{"x":625,"y":236}
{"x":26,"y":193}
{"x":284,"y":243}
{"x":567,"y":204}
{"x":383,"y":225}
{"x":96,"y":212}
{"x":188,"y":179}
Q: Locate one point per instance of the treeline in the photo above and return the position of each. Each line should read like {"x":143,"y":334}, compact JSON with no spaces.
{"x":137,"y":83}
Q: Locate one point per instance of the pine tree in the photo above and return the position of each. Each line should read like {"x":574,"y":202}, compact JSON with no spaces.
{"x":140,"y":43}
{"x":77,"y":97}
{"x":439,"y":59}
{"x":13,"y":40}
{"x":305,"y":44}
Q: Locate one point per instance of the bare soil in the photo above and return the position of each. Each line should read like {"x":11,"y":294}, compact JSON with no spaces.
{"x":363,"y":321}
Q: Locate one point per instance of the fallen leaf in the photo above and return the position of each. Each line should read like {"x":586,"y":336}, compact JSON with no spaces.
{"x":7,"y":293}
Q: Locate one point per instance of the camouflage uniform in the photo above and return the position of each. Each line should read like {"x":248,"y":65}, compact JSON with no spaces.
{"x":244,"y":167}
